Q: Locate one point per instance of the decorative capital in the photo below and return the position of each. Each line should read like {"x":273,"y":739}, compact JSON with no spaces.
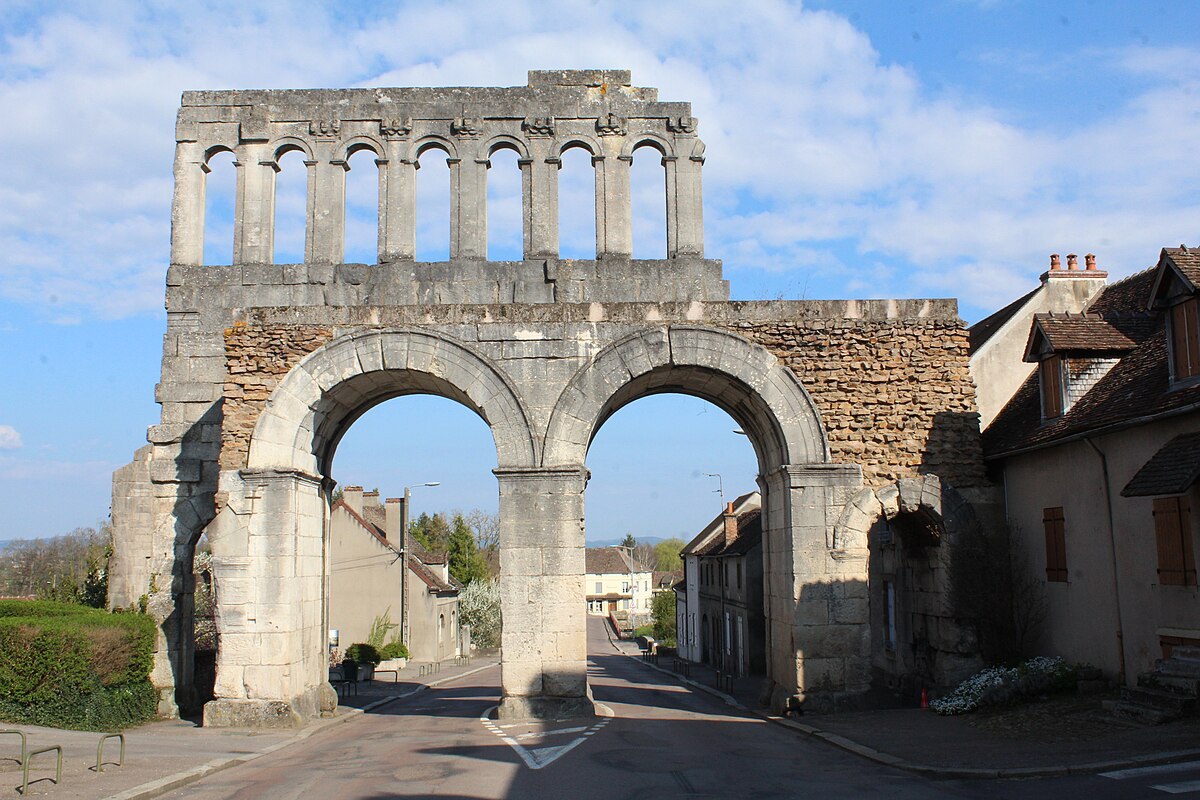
{"x":466,"y":127}
{"x":325,"y":128}
{"x":539,"y":126}
{"x":611,"y":125}
{"x":686,"y":125}
{"x":395,"y":127}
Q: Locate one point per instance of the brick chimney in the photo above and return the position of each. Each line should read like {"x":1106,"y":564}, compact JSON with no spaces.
{"x":393,"y":511}
{"x":353,"y":495}
{"x":731,"y":525}
{"x":1073,"y":272}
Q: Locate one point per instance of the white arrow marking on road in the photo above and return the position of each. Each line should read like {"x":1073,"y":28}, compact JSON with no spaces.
{"x":538,"y":757}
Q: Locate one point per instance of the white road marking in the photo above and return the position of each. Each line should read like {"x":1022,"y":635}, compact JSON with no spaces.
{"x":1161,"y":769}
{"x":538,"y":757}
{"x":1183,"y":787}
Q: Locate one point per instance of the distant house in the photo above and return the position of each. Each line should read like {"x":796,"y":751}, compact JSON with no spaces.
{"x":615,"y":582}
{"x":365,"y":579}
{"x":719,"y":603}
{"x":1099,"y":453}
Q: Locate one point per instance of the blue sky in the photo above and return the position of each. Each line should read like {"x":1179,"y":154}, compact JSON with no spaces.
{"x":855,"y":149}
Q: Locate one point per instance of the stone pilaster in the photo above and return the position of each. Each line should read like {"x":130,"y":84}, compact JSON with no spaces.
{"x":468,"y":203}
{"x":254,"y":217}
{"x":685,"y":221}
{"x":325,"y":241}
{"x":614,"y":213}
{"x":269,"y":562}
{"x":398,"y":205}
{"x":539,"y":183}
{"x":544,"y":672}
{"x":187,"y":208}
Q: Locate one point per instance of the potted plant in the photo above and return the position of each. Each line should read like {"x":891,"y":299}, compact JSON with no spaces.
{"x":394,"y":655}
{"x":366,"y":656}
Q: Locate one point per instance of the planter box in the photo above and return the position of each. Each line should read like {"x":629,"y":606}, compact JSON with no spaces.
{"x":392,"y":663}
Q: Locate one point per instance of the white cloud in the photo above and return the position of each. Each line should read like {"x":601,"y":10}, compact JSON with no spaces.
{"x":10,"y":438}
{"x":815,"y":144}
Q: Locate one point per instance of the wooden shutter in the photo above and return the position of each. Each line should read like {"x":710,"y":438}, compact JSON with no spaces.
{"x":1056,"y":544}
{"x":1185,"y":340}
{"x":1173,"y":535}
{"x":1052,"y":387}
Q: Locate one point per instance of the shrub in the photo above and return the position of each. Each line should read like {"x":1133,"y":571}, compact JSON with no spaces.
{"x":70,"y":666}
{"x":394,"y":649}
{"x":363,"y":653}
{"x":996,"y":686}
{"x":479,"y":607}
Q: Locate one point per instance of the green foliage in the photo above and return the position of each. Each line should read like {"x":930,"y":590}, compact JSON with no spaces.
{"x":644,"y":630}
{"x":69,"y":666}
{"x":70,"y":569}
{"x":433,"y":533}
{"x":393,"y":649}
{"x":363,"y":653}
{"x":466,"y":563}
{"x":379,"y":629}
{"x":629,"y":541}
{"x":662,"y":607}
{"x":479,"y":607}
{"x":666,"y":555}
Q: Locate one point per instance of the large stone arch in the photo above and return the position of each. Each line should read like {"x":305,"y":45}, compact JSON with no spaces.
{"x":321,"y":396}
{"x":744,"y":379}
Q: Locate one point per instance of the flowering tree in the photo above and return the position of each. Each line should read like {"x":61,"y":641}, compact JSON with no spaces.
{"x":479,"y":607}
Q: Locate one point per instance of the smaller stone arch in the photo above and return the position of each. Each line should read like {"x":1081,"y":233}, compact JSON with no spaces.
{"x":574,"y":140}
{"x":648,"y":139}
{"x":217,"y":149}
{"x":286,"y":144}
{"x":433,"y":141}
{"x":504,"y":141}
{"x":925,"y":495}
{"x":364,"y":142}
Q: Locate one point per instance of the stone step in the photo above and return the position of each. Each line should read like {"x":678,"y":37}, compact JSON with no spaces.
{"x":1184,"y":685}
{"x":1177,"y":704}
{"x":1179,"y":666}
{"x":1138,"y":712}
{"x":1186,"y":652}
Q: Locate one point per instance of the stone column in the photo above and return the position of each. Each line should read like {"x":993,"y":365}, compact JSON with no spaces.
{"x":254,"y":217}
{"x":686,"y":225}
{"x":539,"y":190}
{"x":325,"y":241}
{"x":468,"y":203}
{"x":818,"y":629}
{"x":397,"y":205}
{"x":614,"y":213}
{"x":268,"y":562}
{"x":544,"y":670}
{"x":187,"y":207}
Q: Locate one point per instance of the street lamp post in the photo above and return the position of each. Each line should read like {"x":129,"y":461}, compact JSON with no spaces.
{"x":404,"y":629}
{"x":720,"y":485}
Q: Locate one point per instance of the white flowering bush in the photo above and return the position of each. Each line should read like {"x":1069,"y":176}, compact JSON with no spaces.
{"x":479,"y":607}
{"x":1004,"y":685}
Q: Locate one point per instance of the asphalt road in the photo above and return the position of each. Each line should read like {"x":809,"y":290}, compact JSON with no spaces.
{"x":661,"y":741}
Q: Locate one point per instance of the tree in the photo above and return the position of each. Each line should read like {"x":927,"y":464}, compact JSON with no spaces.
{"x":71,"y":568}
{"x":487,"y":538}
{"x":466,"y":564}
{"x":433,"y":533}
{"x":645,"y":556}
{"x":629,"y":541}
{"x":662,"y":607}
{"x":479,"y":607}
{"x":666,"y":554}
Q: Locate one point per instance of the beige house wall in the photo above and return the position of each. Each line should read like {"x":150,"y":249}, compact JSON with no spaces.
{"x":1083,"y":619}
{"x":364,"y":580}
{"x":614,"y":583}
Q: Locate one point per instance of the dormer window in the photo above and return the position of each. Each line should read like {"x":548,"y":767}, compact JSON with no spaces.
{"x":1185,"y":341}
{"x":1050,"y":372}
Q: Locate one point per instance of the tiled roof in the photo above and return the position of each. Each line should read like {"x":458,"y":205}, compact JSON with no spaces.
{"x":1187,"y":261}
{"x":1172,"y":470}
{"x":417,"y":559}
{"x":1088,"y":333}
{"x":749,"y":535}
{"x":702,"y":539}
{"x":607,"y":560}
{"x":665,"y":580}
{"x":1137,"y":386}
{"x":429,"y":577}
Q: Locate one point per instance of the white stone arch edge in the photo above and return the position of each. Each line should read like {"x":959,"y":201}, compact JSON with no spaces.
{"x":925,"y":494}
{"x":793,"y":433}
{"x":285,"y":432}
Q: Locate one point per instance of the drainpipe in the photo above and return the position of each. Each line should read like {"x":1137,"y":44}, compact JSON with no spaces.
{"x":1112,"y":550}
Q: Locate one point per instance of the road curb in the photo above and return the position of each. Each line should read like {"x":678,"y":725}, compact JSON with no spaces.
{"x":161,"y":786}
{"x":967,"y":773}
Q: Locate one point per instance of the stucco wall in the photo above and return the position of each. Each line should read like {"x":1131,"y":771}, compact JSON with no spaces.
{"x":1082,"y":621}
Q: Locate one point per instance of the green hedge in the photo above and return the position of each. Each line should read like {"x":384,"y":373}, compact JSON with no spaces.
{"x":70,"y":666}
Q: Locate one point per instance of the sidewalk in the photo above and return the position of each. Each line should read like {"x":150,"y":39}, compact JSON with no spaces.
{"x":161,"y":756}
{"x":1056,"y":737}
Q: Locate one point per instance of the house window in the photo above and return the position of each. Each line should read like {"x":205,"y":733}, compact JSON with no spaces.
{"x":739,"y":574}
{"x":1173,"y":532}
{"x":1056,"y":544}
{"x":599,"y":587}
{"x":625,"y":588}
{"x":1185,"y":341}
{"x":1051,"y":370}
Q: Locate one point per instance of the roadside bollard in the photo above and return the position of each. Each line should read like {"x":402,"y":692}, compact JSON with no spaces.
{"x":24,"y":744}
{"x":29,"y":758}
{"x":100,"y":750}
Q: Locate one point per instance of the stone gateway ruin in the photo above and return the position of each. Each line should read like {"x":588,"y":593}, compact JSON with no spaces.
{"x":861,"y":412}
